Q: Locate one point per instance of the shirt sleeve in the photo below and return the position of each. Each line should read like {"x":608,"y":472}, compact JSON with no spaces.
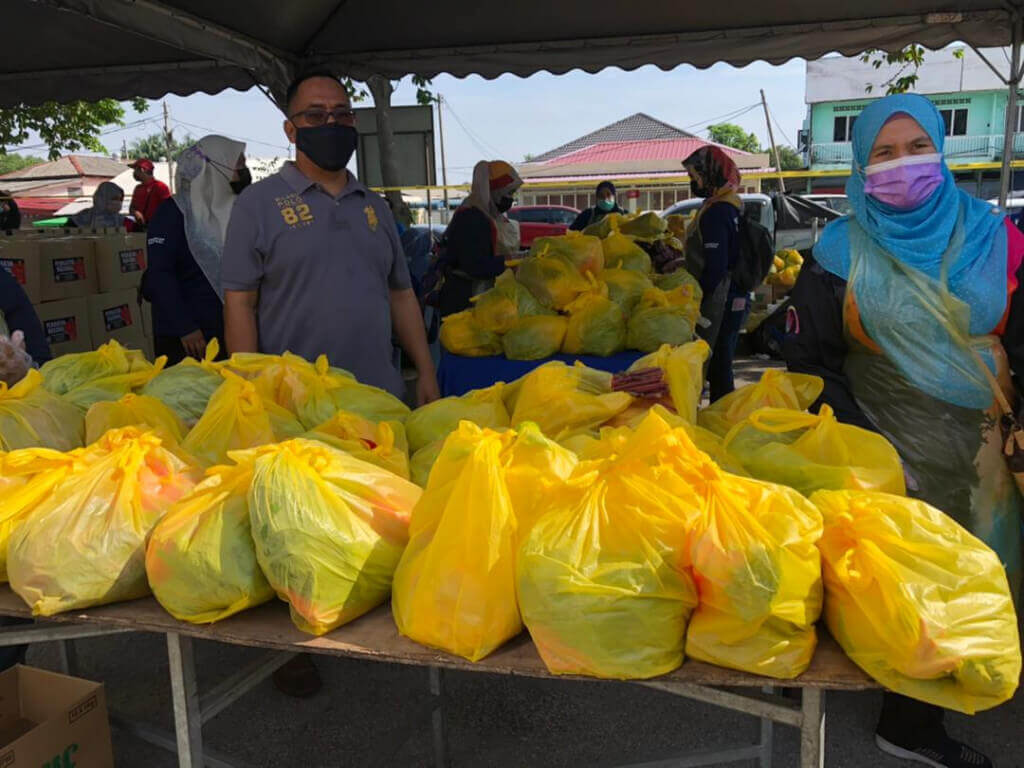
{"x":398,"y":277}
{"x":165,"y":241}
{"x":717,"y":231}
{"x":19,"y":315}
{"x":814,"y":342}
{"x":160,"y":193}
{"x":242,"y":265}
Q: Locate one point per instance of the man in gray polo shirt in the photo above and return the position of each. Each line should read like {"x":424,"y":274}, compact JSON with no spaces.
{"x":312,"y":261}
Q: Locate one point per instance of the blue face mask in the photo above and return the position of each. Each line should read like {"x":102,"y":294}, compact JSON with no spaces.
{"x":606,"y":204}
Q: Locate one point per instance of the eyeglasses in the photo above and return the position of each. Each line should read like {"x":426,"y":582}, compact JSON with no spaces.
{"x":316,"y":117}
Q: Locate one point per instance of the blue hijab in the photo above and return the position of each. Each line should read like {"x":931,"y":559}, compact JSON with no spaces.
{"x":919,"y":238}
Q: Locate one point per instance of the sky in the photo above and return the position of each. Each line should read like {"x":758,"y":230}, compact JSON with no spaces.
{"x":510,"y":117}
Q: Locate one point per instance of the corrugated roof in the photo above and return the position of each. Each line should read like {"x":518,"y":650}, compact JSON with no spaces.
{"x":638,"y":127}
{"x":69,"y":166}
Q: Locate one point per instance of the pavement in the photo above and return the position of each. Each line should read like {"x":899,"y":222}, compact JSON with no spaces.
{"x":377,"y":715}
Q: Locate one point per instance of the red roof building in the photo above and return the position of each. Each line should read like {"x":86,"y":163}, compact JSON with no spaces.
{"x":41,"y":189}
{"x":635,"y":153}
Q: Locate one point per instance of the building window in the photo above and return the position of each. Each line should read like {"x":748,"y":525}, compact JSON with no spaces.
{"x":842,"y":129}
{"x":955,"y":120}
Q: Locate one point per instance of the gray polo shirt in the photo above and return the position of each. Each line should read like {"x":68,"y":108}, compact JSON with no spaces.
{"x":323,"y":267}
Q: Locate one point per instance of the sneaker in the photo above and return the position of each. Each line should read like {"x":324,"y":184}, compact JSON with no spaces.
{"x":939,"y":751}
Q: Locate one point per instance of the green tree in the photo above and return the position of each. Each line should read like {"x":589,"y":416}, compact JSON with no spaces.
{"x":154,"y":146}
{"x":790,"y":159}
{"x":63,"y":127}
{"x":731,"y":135}
{"x":13,"y":162}
{"x":906,"y":61}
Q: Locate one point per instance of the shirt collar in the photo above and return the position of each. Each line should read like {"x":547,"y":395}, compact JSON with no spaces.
{"x":300,"y":183}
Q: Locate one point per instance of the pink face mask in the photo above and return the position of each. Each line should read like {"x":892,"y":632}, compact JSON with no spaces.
{"x":905,"y":182}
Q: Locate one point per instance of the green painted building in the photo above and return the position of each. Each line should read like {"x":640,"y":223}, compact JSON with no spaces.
{"x":968,"y":94}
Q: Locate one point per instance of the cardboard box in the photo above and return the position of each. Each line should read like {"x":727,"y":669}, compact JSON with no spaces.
{"x":120,"y":261}
{"x":47,"y":719}
{"x":20,"y":257}
{"x":66,"y":324}
{"x":67,"y":268}
{"x":116,"y":315}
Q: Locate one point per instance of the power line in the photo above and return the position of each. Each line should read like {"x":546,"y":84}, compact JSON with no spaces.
{"x":230,"y":136}
{"x":783,"y":132}
{"x":727,"y":116}
{"x":483,"y":146}
{"x":126,"y":127}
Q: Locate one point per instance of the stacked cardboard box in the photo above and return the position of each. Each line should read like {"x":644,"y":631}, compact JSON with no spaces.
{"x":84,"y":285}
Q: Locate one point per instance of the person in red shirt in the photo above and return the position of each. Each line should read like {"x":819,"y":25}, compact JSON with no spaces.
{"x":148,"y":195}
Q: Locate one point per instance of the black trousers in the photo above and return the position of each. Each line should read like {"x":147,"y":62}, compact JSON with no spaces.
{"x":904,"y":719}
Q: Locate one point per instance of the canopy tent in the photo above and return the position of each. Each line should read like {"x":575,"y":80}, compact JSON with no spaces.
{"x":125,"y":48}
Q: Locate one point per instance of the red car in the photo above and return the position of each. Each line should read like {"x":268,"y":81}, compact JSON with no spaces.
{"x":542,"y":221}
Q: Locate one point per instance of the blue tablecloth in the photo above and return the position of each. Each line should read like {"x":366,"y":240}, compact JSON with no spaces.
{"x":457,"y":375}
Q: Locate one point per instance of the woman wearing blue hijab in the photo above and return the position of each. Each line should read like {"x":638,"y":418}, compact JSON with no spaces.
{"x":888,"y":311}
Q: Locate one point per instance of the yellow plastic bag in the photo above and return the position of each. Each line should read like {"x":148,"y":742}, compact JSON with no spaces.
{"x":237,"y":418}
{"x":644,"y":225}
{"x":917,"y":602}
{"x":622,"y":252}
{"x":370,"y":402}
{"x":535,"y":467}
{"x":603,"y":578}
{"x":200,"y":560}
{"x":553,"y":281}
{"x":455,"y":585}
{"x":462,"y":335}
{"x":84,"y":545}
{"x":382,"y":444}
{"x":86,"y":378}
{"x":596,"y":324}
{"x":28,"y":478}
{"x":658,"y":319}
{"x":499,"y":308}
{"x":422,"y":461}
{"x":133,"y":410}
{"x":757,"y":570}
{"x":563,"y":399}
{"x":626,"y":287}
{"x":187,"y":387}
{"x":534,"y":338}
{"x":301,"y":387}
{"x":684,"y":374}
{"x":813,"y":452}
{"x":582,"y":251}
{"x":680,"y":278}
{"x":31,"y":417}
{"x":776,"y":389}
{"x":329,"y":530}
{"x":607,"y":225}
{"x":436,"y":420}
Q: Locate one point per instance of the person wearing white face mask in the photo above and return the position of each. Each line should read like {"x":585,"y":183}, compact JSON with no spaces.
{"x":105,"y":210}
{"x":913,"y":236}
{"x":605,"y":203}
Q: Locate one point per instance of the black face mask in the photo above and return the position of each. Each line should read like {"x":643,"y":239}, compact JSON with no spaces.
{"x":329,"y":146}
{"x":244,"y":180}
{"x":504,"y":204}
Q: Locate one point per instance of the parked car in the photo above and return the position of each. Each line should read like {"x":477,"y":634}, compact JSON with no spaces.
{"x":838,"y":203}
{"x":542,"y":221}
{"x":755,"y":205}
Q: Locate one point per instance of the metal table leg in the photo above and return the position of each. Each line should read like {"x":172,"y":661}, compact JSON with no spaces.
{"x":188,"y":722}
{"x":812,"y":729}
{"x":437,"y":718}
{"x":68,"y":659}
{"x":767,"y":736}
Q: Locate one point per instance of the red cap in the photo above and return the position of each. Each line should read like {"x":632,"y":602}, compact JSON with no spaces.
{"x":143,"y":164}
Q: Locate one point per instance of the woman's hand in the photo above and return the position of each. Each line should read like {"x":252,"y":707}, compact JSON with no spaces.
{"x":14,"y":360}
{"x":194,"y":344}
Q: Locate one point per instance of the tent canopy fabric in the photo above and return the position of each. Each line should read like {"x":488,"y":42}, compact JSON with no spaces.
{"x":124,"y":48}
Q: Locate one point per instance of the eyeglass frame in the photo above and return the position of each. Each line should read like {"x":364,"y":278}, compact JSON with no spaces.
{"x":348,"y":118}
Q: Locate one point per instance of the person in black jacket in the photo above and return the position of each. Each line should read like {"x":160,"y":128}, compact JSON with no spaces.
{"x":605,"y":204}
{"x":10,"y":216}
{"x":184,"y":245}
{"x":480,"y":236}
{"x":22,"y":340}
{"x":865,"y":317}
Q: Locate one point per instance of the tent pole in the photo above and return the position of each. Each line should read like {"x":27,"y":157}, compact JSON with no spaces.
{"x":1006,"y":173}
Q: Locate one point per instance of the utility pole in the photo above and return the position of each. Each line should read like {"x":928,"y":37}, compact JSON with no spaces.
{"x":771,"y":138}
{"x":169,"y":141}
{"x":444,"y":167}
{"x":124,"y":149}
